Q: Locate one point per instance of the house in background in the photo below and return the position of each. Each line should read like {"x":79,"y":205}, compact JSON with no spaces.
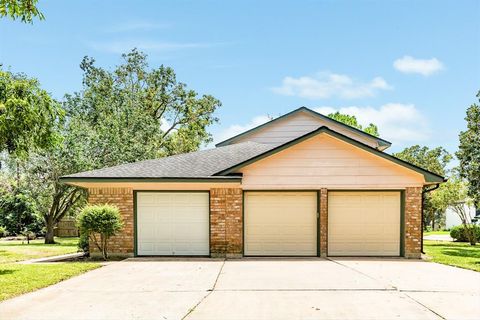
{"x":452,"y":219}
{"x":299,"y":185}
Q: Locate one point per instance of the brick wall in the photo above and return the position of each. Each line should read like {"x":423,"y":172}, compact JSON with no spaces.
{"x":122,"y":198}
{"x":323,"y":222}
{"x":413,"y":222}
{"x":226,"y":234}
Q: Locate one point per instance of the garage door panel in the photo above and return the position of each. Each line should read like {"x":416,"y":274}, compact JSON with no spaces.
{"x":172,"y":223}
{"x":364,"y":223}
{"x":280,"y":223}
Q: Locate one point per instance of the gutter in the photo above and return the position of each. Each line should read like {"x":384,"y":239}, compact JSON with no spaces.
{"x":423,"y":192}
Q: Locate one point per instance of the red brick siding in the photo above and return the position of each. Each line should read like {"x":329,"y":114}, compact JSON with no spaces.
{"x":123,"y":242}
{"x":413,"y":222}
{"x":323,"y":222}
{"x":226,"y":224}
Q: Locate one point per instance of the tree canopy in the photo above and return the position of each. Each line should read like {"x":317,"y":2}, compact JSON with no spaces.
{"x":28,"y":115}
{"x":352,"y":121}
{"x":25,"y":10}
{"x":434,"y":160}
{"x":134,"y":113}
{"x":469,"y":152}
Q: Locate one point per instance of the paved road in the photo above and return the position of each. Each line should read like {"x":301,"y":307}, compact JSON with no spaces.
{"x":439,"y":237}
{"x":258,"y":289}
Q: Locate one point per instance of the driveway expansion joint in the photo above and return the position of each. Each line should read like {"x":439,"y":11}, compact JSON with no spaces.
{"x":423,"y":305}
{"x":209,"y":291}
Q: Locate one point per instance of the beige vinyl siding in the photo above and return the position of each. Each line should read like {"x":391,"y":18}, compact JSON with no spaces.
{"x":325,"y":161}
{"x":280,"y":223}
{"x":364,"y":223}
{"x":296,"y":125}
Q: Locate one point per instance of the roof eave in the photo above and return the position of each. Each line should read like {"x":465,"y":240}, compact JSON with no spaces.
{"x":382,"y":144}
{"x":70,"y":180}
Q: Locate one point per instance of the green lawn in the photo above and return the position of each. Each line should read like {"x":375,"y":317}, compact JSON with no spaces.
{"x":459,"y":254}
{"x":13,"y":251}
{"x":429,"y":233}
{"x":17,"y":278}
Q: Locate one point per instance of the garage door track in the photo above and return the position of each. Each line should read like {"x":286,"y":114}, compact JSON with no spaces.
{"x":258,"y":289}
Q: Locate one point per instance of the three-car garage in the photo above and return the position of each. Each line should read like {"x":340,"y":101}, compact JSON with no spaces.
{"x":275,"y":223}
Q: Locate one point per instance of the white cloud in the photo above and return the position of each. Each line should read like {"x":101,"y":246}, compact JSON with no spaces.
{"x":123,"y":46}
{"x":325,"y":85}
{"x":235,"y":129}
{"x":396,"y":122}
{"x":425,"y":67}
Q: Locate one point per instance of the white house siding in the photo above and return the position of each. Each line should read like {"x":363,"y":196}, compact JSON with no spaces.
{"x":452,"y":219}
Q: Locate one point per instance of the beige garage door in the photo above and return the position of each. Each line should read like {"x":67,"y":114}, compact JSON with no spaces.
{"x":173,"y":223}
{"x":364,"y":223}
{"x":281,"y":223}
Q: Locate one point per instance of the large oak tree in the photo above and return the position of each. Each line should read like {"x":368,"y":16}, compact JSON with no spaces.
{"x":128,"y":114}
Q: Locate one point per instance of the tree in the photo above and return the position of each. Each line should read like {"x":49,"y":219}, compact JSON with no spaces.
{"x":127,"y":115}
{"x":469,"y":152}
{"x":352,"y":121}
{"x":54,"y":199}
{"x":28,"y":115}
{"x":453,"y":194}
{"x":18,"y":213}
{"x":135,"y":113}
{"x":104,"y":221}
{"x":434,"y":160}
{"x":25,"y":10}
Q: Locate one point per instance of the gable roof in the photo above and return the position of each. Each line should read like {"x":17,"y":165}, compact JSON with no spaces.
{"x":194,"y":165}
{"x":383,"y":144}
{"x":218,"y":164}
{"x":428,"y":175}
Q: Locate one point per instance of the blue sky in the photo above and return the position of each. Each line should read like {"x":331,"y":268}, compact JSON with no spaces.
{"x":412,"y":67}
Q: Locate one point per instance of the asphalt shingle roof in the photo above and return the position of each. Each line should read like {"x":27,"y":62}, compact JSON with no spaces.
{"x":197,"y":164}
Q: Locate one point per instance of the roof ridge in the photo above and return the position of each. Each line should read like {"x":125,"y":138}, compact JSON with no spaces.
{"x":380,"y":141}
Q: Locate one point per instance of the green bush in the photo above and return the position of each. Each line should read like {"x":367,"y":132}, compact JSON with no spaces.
{"x":83,"y":243}
{"x":458,"y":233}
{"x":3,"y":232}
{"x":99,"y":223}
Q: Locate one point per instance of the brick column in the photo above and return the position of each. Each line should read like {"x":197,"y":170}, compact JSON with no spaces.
{"x":226,"y":224}
{"x":123,"y":242}
{"x":413,"y":222}
{"x":323,"y":222}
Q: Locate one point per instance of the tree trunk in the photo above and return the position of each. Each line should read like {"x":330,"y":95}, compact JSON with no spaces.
{"x":49,"y":239}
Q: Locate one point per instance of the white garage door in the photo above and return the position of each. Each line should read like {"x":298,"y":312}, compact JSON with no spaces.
{"x":172,"y":223}
{"x":364,"y":223}
{"x":281,"y":223}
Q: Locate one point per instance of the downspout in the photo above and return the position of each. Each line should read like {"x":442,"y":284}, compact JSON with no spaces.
{"x":423,"y":192}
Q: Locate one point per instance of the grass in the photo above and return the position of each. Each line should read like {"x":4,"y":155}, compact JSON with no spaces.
{"x":13,"y":251}
{"x":458,"y":254}
{"x":430,"y":233}
{"x":16,"y":279}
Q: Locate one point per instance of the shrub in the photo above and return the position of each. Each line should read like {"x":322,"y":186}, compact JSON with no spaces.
{"x":459,"y":234}
{"x":3,"y":232}
{"x":83,"y":243}
{"x":100,"y":220}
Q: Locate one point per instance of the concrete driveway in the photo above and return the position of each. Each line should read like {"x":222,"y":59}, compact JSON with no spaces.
{"x":258,"y":289}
